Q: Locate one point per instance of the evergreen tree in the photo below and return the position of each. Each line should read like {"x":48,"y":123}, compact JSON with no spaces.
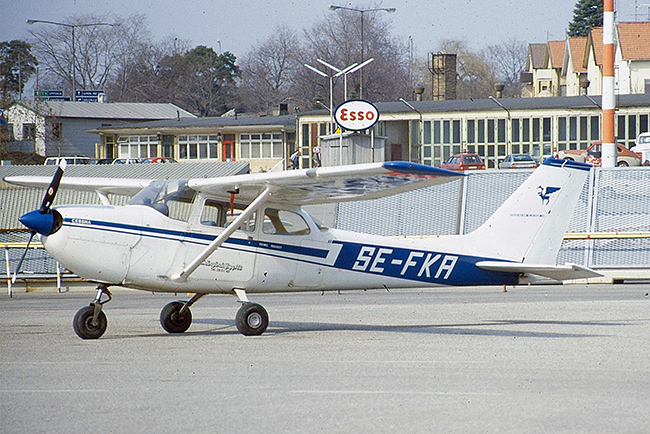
{"x":586,"y":15}
{"x":17,"y":64}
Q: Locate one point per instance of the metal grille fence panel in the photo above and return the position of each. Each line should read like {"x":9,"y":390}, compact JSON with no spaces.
{"x":611,"y":200}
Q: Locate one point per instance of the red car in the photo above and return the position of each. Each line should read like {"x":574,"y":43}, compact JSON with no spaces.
{"x":591,"y":155}
{"x":624,"y":157}
{"x":158,"y":160}
{"x":464,"y":162}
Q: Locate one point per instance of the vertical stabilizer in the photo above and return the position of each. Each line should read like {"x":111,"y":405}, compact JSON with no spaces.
{"x":530,"y":225}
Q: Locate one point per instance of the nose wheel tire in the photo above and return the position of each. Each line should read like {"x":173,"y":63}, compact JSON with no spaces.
{"x":172,"y":320}
{"x":84,"y":325}
{"x":252,"y":319}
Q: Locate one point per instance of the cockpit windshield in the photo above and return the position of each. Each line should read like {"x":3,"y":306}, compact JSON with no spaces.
{"x":170,"y":197}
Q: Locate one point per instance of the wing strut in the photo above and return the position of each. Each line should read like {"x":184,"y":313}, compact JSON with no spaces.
{"x":217,"y":242}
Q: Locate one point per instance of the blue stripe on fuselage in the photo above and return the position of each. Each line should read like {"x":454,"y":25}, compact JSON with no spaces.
{"x":384,"y":260}
{"x":419,"y":265}
{"x":192,"y":237}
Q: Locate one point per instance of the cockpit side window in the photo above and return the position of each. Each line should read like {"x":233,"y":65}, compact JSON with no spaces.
{"x":219,"y":214}
{"x":282,"y":222}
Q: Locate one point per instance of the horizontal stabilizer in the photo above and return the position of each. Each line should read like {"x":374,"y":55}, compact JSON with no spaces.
{"x":557,"y":272}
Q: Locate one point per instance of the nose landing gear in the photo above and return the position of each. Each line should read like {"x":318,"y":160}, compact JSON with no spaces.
{"x":90,"y":322}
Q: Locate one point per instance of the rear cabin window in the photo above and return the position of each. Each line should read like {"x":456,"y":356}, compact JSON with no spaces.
{"x":281,"y":222}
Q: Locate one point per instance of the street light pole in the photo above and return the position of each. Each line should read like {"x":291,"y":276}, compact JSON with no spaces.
{"x":362,"y":12}
{"x":349,"y":70}
{"x":321,"y":73}
{"x":74,"y":54}
{"x":420,"y":133}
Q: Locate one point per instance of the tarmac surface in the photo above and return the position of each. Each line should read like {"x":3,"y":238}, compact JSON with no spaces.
{"x":538,"y":359}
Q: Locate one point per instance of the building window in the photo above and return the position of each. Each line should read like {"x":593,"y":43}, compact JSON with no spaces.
{"x":261,"y":146}
{"x":137,"y":146}
{"x":198,"y":147}
{"x":29,"y":132}
{"x":109,"y":142}
{"x":57,"y":131}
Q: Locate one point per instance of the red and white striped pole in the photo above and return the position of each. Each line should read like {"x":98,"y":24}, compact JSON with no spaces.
{"x":609,"y":100}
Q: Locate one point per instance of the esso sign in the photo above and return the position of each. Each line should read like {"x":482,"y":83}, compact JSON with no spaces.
{"x":356,"y":115}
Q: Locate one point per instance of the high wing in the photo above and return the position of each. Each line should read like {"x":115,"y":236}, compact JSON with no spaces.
{"x":557,"y":272}
{"x":102,"y":186}
{"x":327,"y":184}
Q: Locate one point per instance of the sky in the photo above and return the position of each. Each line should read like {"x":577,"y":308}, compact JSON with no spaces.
{"x":236,"y":26}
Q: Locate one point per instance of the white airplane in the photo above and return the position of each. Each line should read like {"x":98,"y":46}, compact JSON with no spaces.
{"x":248,"y":234}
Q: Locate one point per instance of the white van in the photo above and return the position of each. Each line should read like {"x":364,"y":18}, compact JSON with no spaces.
{"x":54,"y":161}
{"x":643,"y":148}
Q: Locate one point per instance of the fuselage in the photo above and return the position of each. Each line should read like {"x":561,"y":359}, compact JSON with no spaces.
{"x":280,"y":249}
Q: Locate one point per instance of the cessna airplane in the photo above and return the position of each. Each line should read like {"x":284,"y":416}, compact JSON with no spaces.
{"x":249,"y":234}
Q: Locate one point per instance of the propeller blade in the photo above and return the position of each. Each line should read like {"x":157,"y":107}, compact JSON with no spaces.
{"x":51,"y":190}
{"x":22,"y":258}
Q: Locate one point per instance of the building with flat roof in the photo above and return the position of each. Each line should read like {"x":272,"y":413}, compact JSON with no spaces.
{"x":262,"y":141}
{"x":493,"y":128}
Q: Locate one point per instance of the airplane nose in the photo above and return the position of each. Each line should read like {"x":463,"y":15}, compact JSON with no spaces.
{"x":37,"y":222}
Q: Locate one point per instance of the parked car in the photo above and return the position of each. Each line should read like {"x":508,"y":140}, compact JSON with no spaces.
{"x":53,"y":161}
{"x":518,"y":161}
{"x":125,"y":161}
{"x":624,"y":157}
{"x":101,"y":161}
{"x":157,"y":160}
{"x":642,"y":148}
{"x":464,"y":162}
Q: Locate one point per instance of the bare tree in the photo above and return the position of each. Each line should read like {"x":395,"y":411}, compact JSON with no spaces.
{"x":144,"y":74}
{"x":94,"y":56}
{"x":337,"y":40}
{"x":269,"y":71}
{"x":509,"y":60}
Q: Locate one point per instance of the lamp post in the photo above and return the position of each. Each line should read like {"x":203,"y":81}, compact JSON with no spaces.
{"x":362,"y":12}
{"x":420,"y":133}
{"x":74,"y":54}
{"x":321,"y":73}
{"x":508,"y":149}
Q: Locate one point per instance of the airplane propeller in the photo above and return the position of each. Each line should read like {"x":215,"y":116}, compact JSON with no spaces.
{"x":42,"y":220}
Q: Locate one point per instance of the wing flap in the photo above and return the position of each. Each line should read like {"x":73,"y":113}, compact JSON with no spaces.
{"x":328,"y":184}
{"x":557,"y":272}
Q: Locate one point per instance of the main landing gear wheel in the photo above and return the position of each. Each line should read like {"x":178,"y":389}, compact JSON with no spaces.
{"x":175,"y":319}
{"x":86,"y":327}
{"x":252,"y":319}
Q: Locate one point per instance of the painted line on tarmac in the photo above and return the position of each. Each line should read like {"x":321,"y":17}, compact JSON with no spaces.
{"x":387,"y":392}
{"x":56,"y":391}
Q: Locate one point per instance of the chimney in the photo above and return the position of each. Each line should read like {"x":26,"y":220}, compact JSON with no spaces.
{"x":499,"y":89}
{"x":418,"y":93}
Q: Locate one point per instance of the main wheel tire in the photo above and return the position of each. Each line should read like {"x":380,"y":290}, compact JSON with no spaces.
{"x":83,"y":323}
{"x":172,"y":321}
{"x":622,"y":163}
{"x":252,"y":319}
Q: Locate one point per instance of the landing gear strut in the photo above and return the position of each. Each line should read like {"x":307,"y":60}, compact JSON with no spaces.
{"x":90,"y":322}
{"x":176,"y":316}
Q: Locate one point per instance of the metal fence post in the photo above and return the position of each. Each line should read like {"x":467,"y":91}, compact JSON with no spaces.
{"x":9,"y":288}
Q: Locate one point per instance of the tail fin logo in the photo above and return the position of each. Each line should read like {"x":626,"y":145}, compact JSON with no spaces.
{"x":546,"y":192}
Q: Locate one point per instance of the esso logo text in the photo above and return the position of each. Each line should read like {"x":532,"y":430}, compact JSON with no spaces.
{"x":356,"y":115}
